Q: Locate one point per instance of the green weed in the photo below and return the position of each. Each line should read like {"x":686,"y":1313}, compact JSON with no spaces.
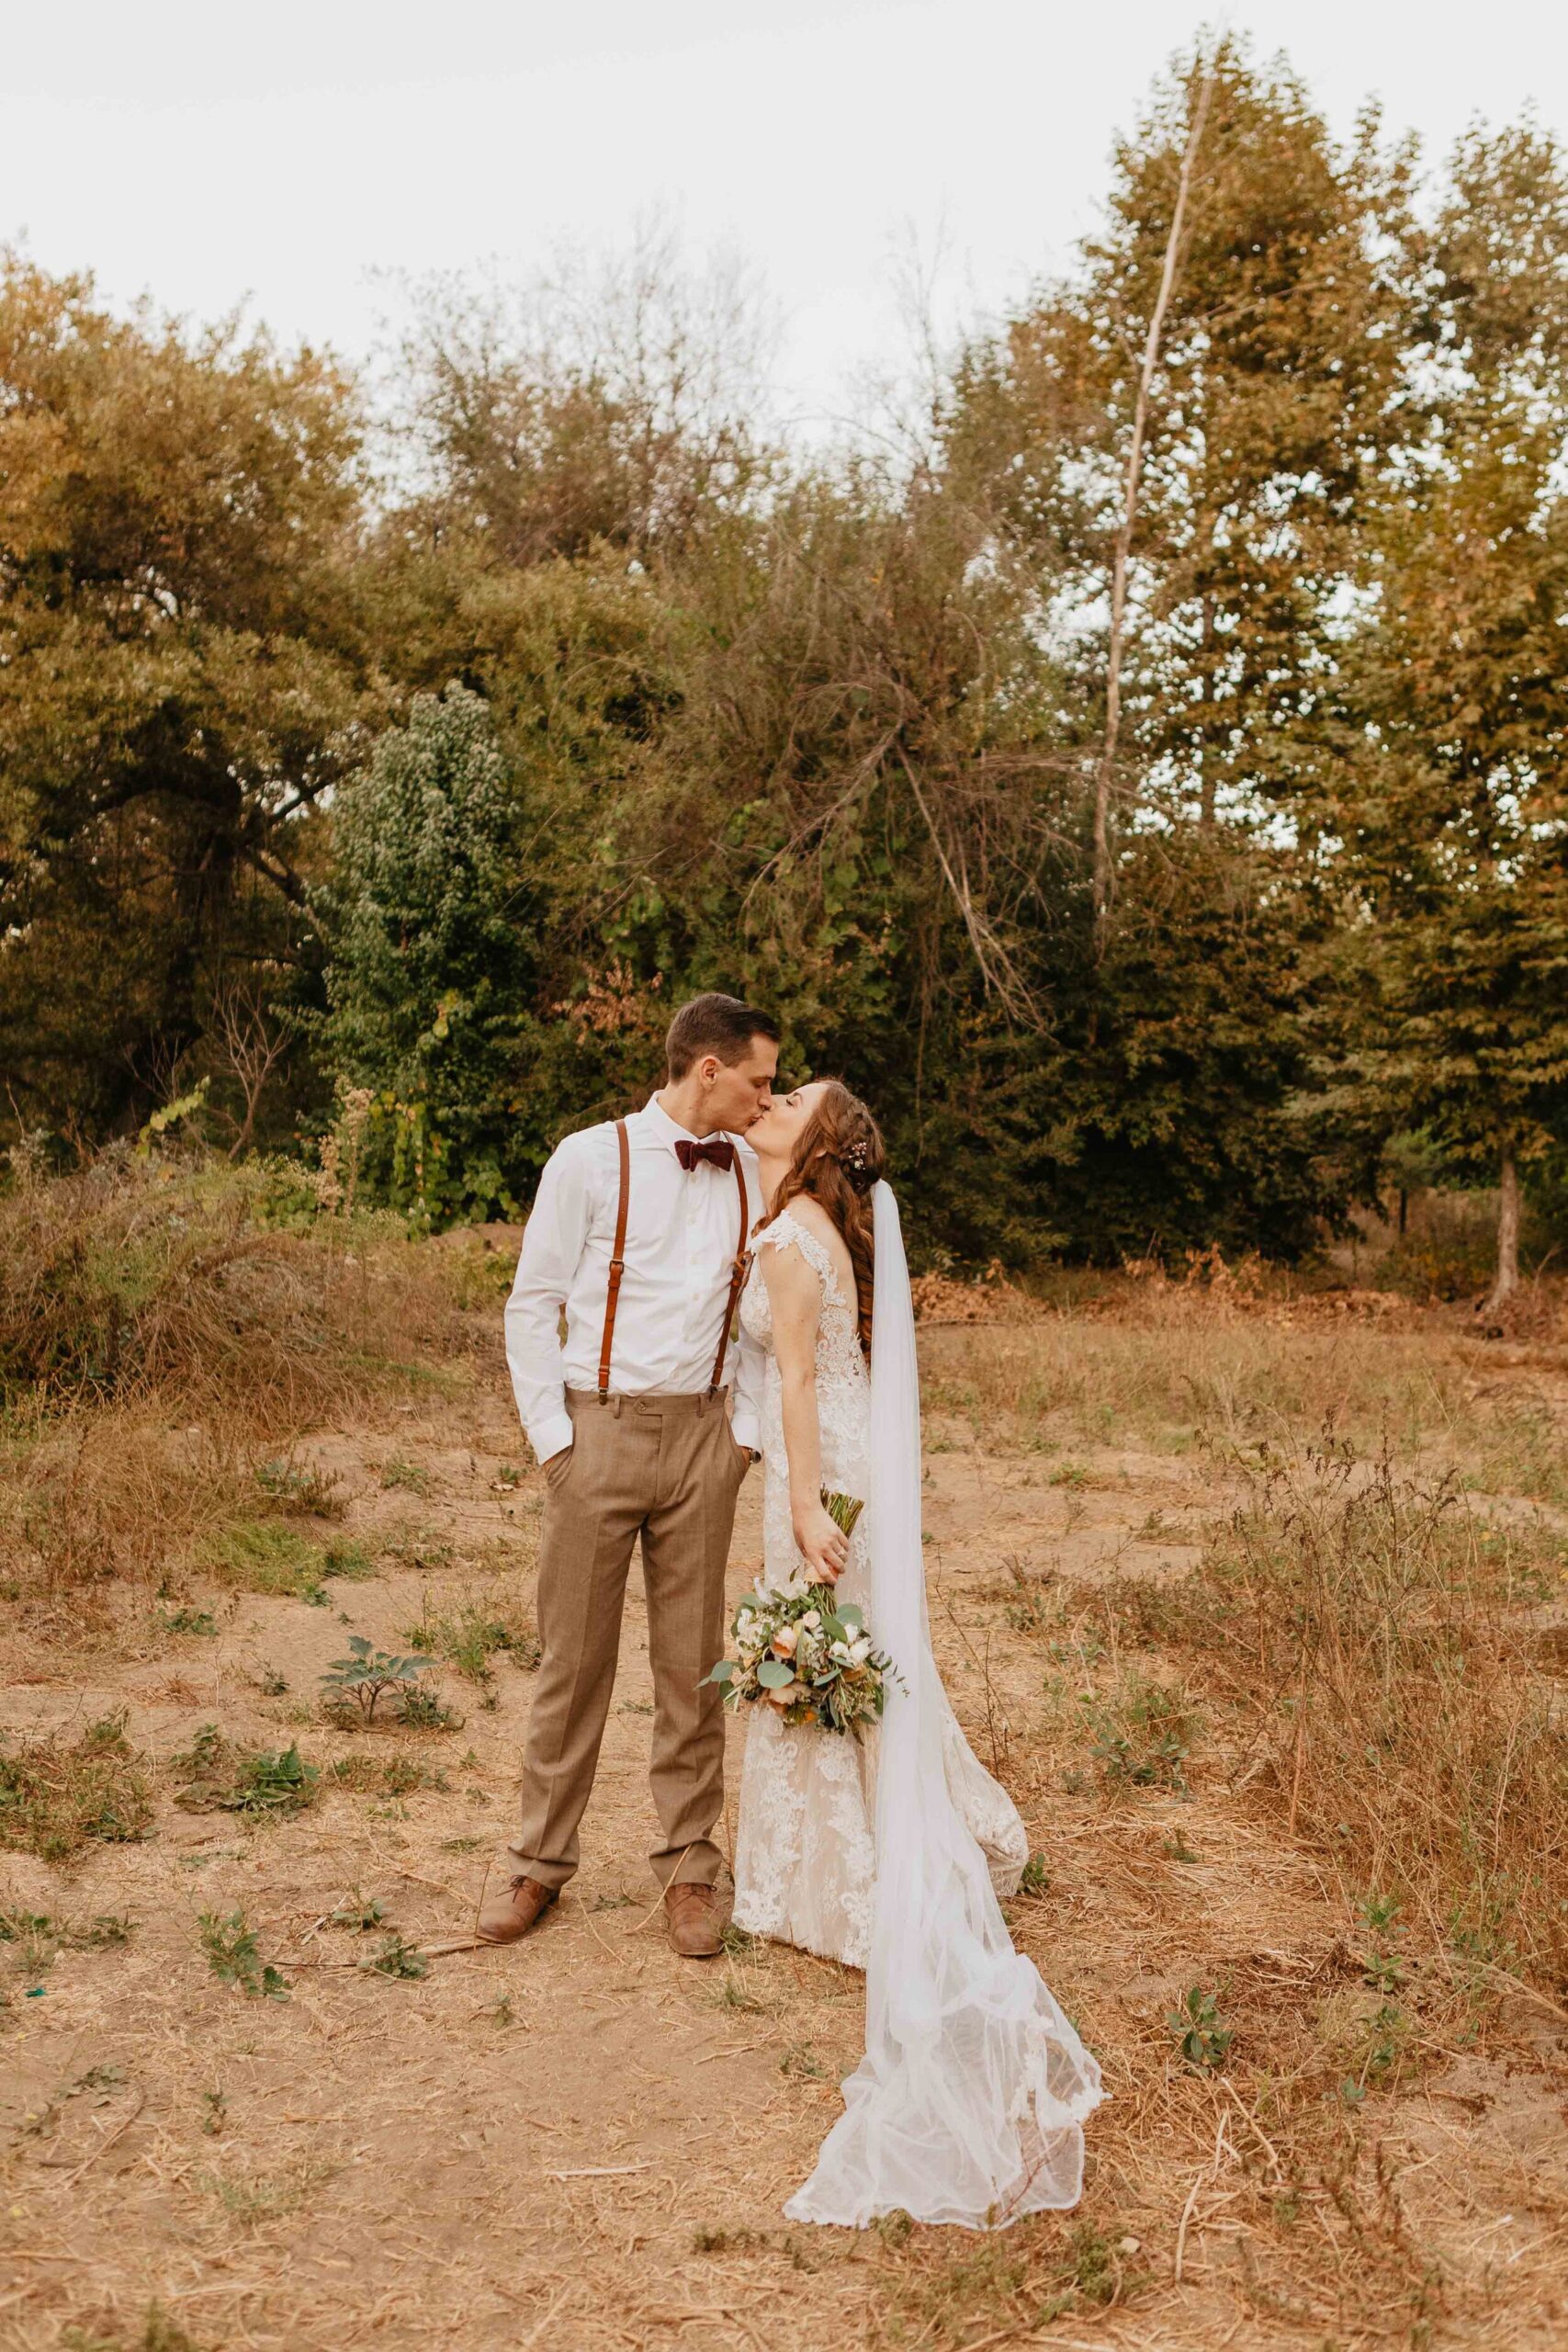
{"x":234,"y":1956}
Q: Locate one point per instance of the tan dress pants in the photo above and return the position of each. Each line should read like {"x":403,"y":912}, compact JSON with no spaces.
{"x":666,"y":1469}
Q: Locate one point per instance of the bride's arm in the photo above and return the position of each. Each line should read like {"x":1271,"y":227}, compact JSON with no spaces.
{"x":796,"y":1297}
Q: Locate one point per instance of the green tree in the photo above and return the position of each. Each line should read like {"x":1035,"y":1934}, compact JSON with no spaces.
{"x":181,"y":666}
{"x":430,"y":959}
{"x":1455,"y":817}
{"x":1270,"y":413}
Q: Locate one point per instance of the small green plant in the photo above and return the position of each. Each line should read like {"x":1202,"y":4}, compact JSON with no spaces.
{"x":234,"y":1956}
{"x":732,"y":1993}
{"x":1034,"y":1878}
{"x":802,"y":2063}
{"x":408,"y":1478}
{"x":398,"y":1959}
{"x":423,"y":1709}
{"x":362,"y":1679}
{"x":344,"y":1557}
{"x":361,"y":1913}
{"x":271,"y":1683}
{"x":222,"y":1778}
{"x":1095,"y":2273}
{"x":187,"y":1621}
{"x":303,"y":1488}
{"x":1030,"y":1612}
{"x":35,"y":1936}
{"x":1380,"y":1966}
{"x":104,"y":1932}
{"x":1202,"y":2034}
{"x":1143,"y":1737}
{"x":470,"y":1636}
{"x":1387,"y":2032}
{"x":214,"y":2112}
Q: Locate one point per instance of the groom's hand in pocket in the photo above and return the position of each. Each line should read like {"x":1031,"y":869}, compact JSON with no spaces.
{"x":555,"y":1467}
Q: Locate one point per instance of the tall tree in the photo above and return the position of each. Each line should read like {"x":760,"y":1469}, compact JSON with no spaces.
{"x":1455,"y":809}
{"x":1265,"y":415}
{"x":430,"y":965}
{"x":181,"y":665}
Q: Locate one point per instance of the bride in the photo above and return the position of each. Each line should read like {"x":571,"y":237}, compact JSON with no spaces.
{"x":888,"y":1853}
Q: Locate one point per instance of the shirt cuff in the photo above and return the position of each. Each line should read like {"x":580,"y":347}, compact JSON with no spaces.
{"x":549,"y":1436}
{"x":744,"y":1430}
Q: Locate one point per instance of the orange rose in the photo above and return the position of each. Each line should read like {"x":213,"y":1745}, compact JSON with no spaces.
{"x":784,"y":1640}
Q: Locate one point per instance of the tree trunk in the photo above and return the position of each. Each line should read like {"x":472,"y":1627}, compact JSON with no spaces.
{"x":1507,"y":1280}
{"x":1105,"y":775}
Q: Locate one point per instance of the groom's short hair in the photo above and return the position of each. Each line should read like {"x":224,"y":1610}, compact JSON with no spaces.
{"x":714,"y":1025}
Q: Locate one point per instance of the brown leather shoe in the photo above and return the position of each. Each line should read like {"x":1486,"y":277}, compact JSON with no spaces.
{"x":694,"y":1919}
{"x":512,"y":1910}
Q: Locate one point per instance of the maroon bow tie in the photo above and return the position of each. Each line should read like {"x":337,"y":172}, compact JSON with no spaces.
{"x":719,"y":1153}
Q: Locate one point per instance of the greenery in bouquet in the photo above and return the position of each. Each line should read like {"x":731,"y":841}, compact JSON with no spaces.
{"x":806,"y":1653}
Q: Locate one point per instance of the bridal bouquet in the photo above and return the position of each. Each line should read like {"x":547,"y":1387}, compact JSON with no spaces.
{"x":804,"y":1655}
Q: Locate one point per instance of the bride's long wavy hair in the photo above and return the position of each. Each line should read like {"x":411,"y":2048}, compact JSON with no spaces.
{"x":839,"y":1157}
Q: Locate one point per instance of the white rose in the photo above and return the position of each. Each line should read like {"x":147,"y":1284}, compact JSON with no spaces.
{"x":861,"y":1651}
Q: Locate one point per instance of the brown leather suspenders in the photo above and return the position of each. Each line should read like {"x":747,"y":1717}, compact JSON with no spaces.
{"x":737,"y":1276}
{"x":618,"y":1267}
{"x":618,"y":1260}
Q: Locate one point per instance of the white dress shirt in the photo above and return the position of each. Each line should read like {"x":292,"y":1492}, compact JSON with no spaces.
{"x":682,"y":1231}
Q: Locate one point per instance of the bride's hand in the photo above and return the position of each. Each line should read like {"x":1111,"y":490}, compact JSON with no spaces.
{"x":822,"y":1542}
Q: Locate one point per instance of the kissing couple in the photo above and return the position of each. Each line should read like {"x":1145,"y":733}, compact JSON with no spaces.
{"x":887,"y":1852}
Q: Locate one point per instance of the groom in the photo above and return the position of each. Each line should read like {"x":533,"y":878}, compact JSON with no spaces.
{"x":638,"y":1233}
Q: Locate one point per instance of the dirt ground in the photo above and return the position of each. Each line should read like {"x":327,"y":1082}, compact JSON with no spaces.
{"x":587,"y":2142}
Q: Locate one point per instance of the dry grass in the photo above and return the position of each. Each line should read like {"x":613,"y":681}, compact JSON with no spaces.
{"x":1376,"y":1643}
{"x":149,"y":1277}
{"x":1282,"y":1732}
{"x":58,"y":1795}
{"x":163,"y":1345}
{"x":1198,"y":1370}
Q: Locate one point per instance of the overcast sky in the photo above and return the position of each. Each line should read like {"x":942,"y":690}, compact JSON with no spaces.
{"x":285,"y":154}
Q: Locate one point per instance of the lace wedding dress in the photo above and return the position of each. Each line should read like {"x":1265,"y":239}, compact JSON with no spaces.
{"x":805,"y":1848}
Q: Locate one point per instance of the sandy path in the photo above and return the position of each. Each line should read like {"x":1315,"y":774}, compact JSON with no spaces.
{"x":585,"y":2142}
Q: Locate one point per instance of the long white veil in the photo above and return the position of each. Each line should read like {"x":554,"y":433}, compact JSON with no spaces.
{"x":968,"y":2105}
